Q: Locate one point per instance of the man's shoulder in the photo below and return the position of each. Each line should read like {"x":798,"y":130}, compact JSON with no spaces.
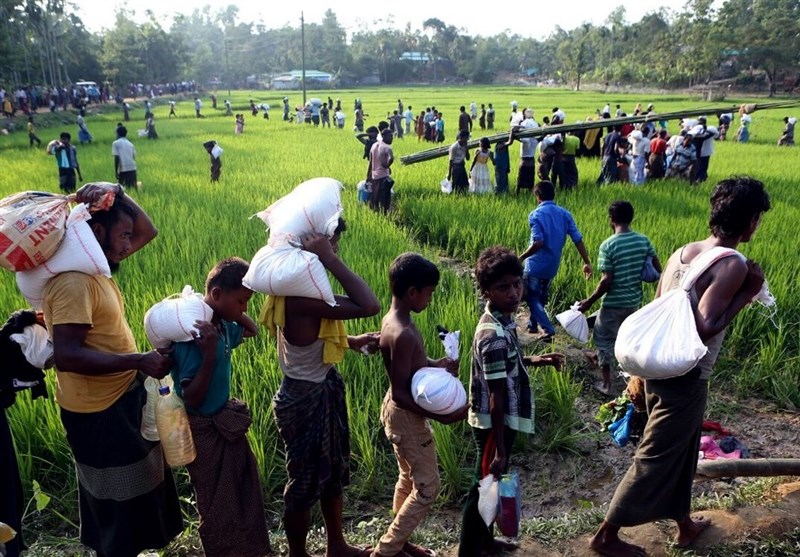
{"x":71,"y":282}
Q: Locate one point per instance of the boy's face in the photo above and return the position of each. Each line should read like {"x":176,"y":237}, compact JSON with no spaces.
{"x":505,"y":294}
{"x":230,"y":304}
{"x":420,"y":298}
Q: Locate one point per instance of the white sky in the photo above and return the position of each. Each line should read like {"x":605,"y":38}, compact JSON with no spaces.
{"x":535,"y":19}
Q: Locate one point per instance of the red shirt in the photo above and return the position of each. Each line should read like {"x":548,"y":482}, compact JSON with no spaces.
{"x":658,"y":146}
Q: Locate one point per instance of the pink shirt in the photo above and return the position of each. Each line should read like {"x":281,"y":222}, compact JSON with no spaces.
{"x":381,"y":157}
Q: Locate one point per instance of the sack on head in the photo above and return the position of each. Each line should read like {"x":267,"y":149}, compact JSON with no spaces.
{"x":32,"y":226}
{"x":172,"y":319}
{"x":79,"y":251}
{"x":289,"y":271}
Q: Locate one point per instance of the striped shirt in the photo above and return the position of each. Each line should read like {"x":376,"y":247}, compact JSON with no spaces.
{"x":623,"y":256}
{"x":496,"y":354}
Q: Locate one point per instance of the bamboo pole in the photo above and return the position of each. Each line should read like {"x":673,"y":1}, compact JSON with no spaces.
{"x":438,"y":152}
{"x":732,"y":468}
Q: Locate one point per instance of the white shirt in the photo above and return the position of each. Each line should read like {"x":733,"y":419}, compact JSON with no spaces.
{"x":516,"y":118}
{"x":528,"y":144}
{"x":560,"y":114}
{"x":339,"y":116}
{"x":126,"y":152}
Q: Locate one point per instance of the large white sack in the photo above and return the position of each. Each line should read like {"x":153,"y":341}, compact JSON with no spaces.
{"x":437,"y":391}
{"x":172,"y":319}
{"x":79,"y":251}
{"x":313,"y":206}
{"x":575,"y":323}
{"x":289,"y":271}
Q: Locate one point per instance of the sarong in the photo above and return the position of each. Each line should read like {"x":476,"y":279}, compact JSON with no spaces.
{"x":312,"y":420}
{"x":460,"y":177}
{"x":526,"y":175}
{"x":126,"y":494}
{"x":569,"y":174}
{"x":11,"y":498}
{"x":658,"y":485}
{"x":656,"y":165}
{"x":225,"y":480}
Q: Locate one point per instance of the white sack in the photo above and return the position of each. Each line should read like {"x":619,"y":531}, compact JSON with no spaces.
{"x":36,"y":346}
{"x":574,"y":322}
{"x":450,"y":342}
{"x":79,"y":251}
{"x":488,"y":499}
{"x":289,"y":271}
{"x":446,"y":185}
{"x":437,"y":391}
{"x":173,"y":319}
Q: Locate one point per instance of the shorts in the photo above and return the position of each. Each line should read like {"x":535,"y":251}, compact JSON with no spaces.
{"x":128,"y":179}
{"x":66,"y":179}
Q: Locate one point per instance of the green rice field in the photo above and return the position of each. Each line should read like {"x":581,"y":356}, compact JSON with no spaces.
{"x":201,"y":222}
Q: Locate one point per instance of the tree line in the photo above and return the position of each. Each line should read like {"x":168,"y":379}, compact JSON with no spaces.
{"x":752,"y":41}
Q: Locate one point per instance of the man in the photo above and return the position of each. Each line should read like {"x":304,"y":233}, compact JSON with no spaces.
{"x":526,"y":174}
{"x":67,"y":161}
{"x":704,"y":143}
{"x":658,"y":485}
{"x":683,"y":160}
{"x":126,"y":494}
{"x":658,"y":151}
{"x":464,"y":120}
{"x":285,"y":109}
{"x":198,"y":104}
{"x":124,"y":159}
{"x":381,"y":158}
{"x":490,"y":117}
{"x":408,"y":115}
{"x":550,"y":226}
{"x":608,"y":169}
{"x":569,"y":170}
{"x":621,"y":259}
{"x":459,"y":155}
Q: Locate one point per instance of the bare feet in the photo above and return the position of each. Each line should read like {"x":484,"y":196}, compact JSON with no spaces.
{"x":349,"y":551}
{"x":414,"y":550}
{"x":608,"y":543}
{"x":689,"y":529}
{"x":603,"y":387}
{"x":591,"y":355}
{"x":500,"y":546}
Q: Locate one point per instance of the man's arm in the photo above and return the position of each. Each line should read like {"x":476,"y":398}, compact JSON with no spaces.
{"x":195,"y":389}
{"x":248,"y":324}
{"x":116,"y":166}
{"x":731,"y":286}
{"x":606,"y":280}
{"x":587,"y":265}
{"x":497,"y":404}
{"x":71,"y":354}
{"x":537,"y":240}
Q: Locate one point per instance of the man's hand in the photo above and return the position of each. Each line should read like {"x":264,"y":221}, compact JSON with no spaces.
{"x":555,"y":359}
{"x":454,"y":417}
{"x":448,"y":364}
{"x":206,"y":337}
{"x":587,"y":270}
{"x":319,"y":245}
{"x":368,"y":343}
{"x":91,"y":193}
{"x":754,"y":279}
{"x":584,"y":306}
{"x":498,"y":465}
{"x":156,"y":363}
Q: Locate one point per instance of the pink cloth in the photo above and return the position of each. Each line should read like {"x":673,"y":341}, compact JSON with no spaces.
{"x":709,"y":450}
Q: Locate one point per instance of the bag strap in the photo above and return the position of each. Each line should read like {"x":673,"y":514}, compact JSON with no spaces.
{"x":702,"y":262}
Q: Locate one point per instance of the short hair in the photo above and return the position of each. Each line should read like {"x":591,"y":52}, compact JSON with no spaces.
{"x":411,"y":270}
{"x":496,"y":262}
{"x":227,"y":274}
{"x":735,"y":201}
{"x":545,"y":190}
{"x":383,"y":125}
{"x":463,"y":134}
{"x":122,"y":131}
{"x":621,"y":212}
{"x":372,"y":129}
{"x":65,"y":135}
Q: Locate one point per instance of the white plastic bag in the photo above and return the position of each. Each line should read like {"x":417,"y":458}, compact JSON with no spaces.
{"x":437,"y":391}
{"x":660,"y":340}
{"x":216,"y":151}
{"x":79,"y":251}
{"x":172,"y":319}
{"x":36,"y":346}
{"x":450,"y":342}
{"x":446,"y":185}
{"x":488,"y":499}
{"x":574,"y":322}
{"x":288,"y":271}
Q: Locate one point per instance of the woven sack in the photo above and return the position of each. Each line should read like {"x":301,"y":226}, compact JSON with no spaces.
{"x":32,"y":226}
{"x":173,"y":318}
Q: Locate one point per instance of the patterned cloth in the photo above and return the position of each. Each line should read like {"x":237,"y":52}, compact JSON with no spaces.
{"x":496,"y":354}
{"x":312,"y":420}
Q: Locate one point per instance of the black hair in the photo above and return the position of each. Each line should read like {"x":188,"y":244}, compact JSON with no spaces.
{"x":383,"y":125}
{"x":65,"y":135}
{"x":545,"y":190}
{"x":496,"y":262}
{"x":227,"y":274}
{"x":341,"y":226}
{"x":621,"y":212}
{"x":122,"y":131}
{"x":411,"y":270}
{"x":735,"y":202}
{"x":372,"y":129}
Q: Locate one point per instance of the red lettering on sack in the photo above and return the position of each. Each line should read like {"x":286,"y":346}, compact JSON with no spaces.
{"x":38,"y":235}
{"x":5,"y":242}
{"x":20,"y":260}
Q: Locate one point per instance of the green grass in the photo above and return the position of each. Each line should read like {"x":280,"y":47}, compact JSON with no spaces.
{"x":201,"y":223}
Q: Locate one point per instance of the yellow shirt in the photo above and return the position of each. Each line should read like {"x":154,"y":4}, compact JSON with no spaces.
{"x":79,"y":299}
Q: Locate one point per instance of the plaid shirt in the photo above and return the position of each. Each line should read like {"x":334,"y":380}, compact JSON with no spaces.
{"x":496,"y":354}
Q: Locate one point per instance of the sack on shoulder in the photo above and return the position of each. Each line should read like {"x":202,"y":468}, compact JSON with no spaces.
{"x":660,"y":340}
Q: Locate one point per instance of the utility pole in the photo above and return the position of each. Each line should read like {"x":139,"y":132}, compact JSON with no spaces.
{"x":303,"y":54}
{"x":227,"y":69}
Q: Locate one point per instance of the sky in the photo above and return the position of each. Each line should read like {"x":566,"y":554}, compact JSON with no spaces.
{"x":483,"y":19}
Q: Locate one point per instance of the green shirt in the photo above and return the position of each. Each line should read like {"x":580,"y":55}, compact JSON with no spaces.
{"x":188,"y":359}
{"x":623,"y":256}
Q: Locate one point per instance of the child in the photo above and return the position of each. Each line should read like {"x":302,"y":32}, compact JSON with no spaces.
{"x":501,"y":400}
{"x":216,"y":161}
{"x":480,"y":181}
{"x":172,"y":110}
{"x":239,"y":124}
{"x":412,"y":279}
{"x":224,"y":474}
{"x":32,"y":133}
{"x":502,"y":167}
{"x":67,"y":161}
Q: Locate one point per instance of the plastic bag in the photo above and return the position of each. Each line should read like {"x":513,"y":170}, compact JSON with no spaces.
{"x":575,"y":323}
{"x":216,"y":151}
{"x":289,"y":271}
{"x":172,"y":319}
{"x":660,"y":340}
{"x":32,"y":226}
{"x":488,"y":499}
{"x":437,"y":391}
{"x":446,"y":185}
{"x":649,"y":272}
{"x":510,"y":505}
{"x":450,"y":341}
{"x":80,"y":251}
{"x":621,"y":429}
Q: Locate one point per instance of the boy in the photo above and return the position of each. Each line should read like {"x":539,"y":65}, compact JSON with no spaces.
{"x":224,"y":474}
{"x":67,"y":161}
{"x":622,"y":256}
{"x":216,"y":162}
{"x":412,"y":279}
{"x":501,"y":400}
{"x":32,"y":133}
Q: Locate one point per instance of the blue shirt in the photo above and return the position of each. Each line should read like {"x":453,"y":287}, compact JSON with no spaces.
{"x":550,"y":224}
{"x":188,"y":359}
